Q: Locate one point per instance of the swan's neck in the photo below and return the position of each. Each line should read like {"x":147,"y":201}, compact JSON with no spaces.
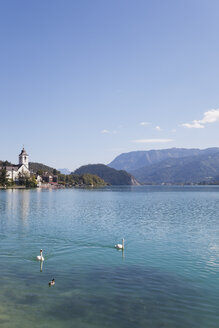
{"x":123,"y":242}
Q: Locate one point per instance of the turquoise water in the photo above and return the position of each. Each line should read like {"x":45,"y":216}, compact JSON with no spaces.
{"x":167,"y":276}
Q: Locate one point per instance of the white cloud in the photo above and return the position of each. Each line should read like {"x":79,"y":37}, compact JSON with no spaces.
{"x":152,"y":140}
{"x":144,"y":123}
{"x":158,"y":128}
{"x":210,"y":116}
{"x":194,"y":125}
{"x":105,"y":131}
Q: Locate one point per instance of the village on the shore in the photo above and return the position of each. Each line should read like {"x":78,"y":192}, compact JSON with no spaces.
{"x":23,"y":176}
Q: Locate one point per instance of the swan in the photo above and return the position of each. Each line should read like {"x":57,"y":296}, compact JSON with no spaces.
{"x":120,"y":246}
{"x":52,"y":282}
{"x":40,"y":257}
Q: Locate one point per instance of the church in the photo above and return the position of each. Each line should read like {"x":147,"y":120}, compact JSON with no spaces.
{"x":22,"y":169}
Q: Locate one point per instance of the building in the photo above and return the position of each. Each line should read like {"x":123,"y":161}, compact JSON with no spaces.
{"x":50,"y":178}
{"x":22,"y":169}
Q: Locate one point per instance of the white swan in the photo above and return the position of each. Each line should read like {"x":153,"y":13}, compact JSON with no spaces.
{"x":40,"y":257}
{"x":121,"y":246}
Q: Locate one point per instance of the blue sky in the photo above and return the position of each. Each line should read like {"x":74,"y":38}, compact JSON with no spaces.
{"x":83,"y":81}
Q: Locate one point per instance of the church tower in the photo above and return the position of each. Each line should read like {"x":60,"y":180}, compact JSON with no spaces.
{"x":24,"y":158}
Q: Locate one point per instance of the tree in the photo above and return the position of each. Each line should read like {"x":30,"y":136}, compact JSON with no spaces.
{"x":55,"y":172}
{"x":62,"y":178}
{"x":21,"y":179}
{"x":6,"y":163}
{"x":39,"y":172}
{"x":31,"y":182}
{"x":25,"y":180}
{"x":87,"y":179}
{"x":3,"y":177}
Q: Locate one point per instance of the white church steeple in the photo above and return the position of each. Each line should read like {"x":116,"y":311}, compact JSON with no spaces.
{"x":24,"y":158}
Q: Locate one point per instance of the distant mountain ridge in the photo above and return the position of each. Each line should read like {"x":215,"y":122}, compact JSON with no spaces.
{"x":138,"y":159}
{"x":64,"y":171}
{"x":171,"y":166}
{"x":110,"y":175}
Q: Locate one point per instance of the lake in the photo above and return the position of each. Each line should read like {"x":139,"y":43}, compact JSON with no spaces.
{"x":167,"y":276}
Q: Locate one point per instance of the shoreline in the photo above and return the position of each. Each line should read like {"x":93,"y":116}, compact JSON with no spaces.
{"x":101,"y":186}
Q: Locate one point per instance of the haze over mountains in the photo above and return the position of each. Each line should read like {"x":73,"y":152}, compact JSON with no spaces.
{"x":175,"y":165}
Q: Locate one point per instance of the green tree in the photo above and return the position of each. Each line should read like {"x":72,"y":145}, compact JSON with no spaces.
{"x":87,"y":179}
{"x":27,"y":181}
{"x":39,"y":172}
{"x":31,"y":182}
{"x":62,"y":178}
{"x":21,"y":179}
{"x":6,"y":163}
{"x":4,"y":181}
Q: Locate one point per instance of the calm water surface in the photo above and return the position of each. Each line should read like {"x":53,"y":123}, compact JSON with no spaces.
{"x":168,"y":275}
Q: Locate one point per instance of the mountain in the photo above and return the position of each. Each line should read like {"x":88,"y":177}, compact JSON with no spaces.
{"x":138,"y":159}
{"x":41,"y":167}
{"x":110,"y":175}
{"x":64,"y":171}
{"x":201,"y":166}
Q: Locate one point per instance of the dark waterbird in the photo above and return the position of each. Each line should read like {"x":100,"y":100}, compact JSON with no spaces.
{"x":52,"y":282}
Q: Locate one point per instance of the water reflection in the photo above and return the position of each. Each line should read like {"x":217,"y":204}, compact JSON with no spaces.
{"x":41,"y":266}
{"x":11,"y":201}
{"x":25,"y":204}
{"x":18,"y":202}
{"x":122,"y":252}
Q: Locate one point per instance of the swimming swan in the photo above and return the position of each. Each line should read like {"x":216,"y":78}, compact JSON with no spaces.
{"x":120,"y":246}
{"x":40,"y":257}
{"x":52,"y":282}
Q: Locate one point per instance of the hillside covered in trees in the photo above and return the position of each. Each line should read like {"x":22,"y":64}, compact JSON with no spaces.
{"x":108,"y":174}
{"x":39,"y":167}
{"x":86,"y":179}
